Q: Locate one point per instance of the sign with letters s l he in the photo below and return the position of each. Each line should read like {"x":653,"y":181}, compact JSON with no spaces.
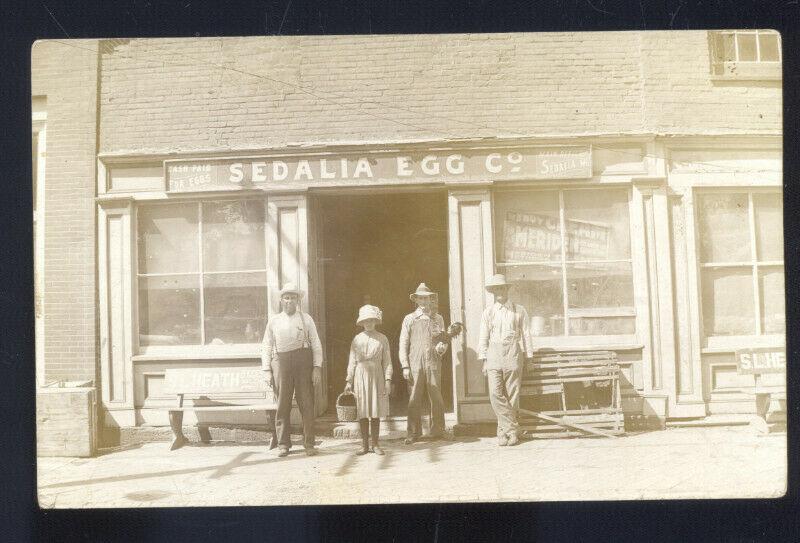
{"x":758,"y":361}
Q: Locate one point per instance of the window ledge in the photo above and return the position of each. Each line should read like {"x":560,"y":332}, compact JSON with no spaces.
{"x":585,"y":343}
{"x":746,"y":78}
{"x":153,"y":356}
{"x":729,"y":344}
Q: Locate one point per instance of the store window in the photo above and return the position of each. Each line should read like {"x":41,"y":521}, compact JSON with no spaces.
{"x":202,"y":275}
{"x":746,"y":53}
{"x":741,"y":262}
{"x":568,"y":254}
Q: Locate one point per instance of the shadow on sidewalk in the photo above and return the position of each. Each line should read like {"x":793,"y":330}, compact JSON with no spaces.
{"x":218,"y":471}
{"x":396,"y":448}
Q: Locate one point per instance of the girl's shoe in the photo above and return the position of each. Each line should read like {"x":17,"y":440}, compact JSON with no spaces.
{"x":364,"y":428}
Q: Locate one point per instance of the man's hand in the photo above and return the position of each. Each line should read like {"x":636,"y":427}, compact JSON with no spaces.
{"x":348,"y":388}
{"x":387,"y":389}
{"x":441,"y":347}
{"x":270,"y":377}
{"x":316,"y":376}
{"x":407,"y":374}
{"x":483,"y":367}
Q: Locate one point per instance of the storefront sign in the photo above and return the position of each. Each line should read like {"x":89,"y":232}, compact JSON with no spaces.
{"x":436,"y":166}
{"x":757,"y":361}
{"x":530,"y":237}
{"x":214,"y":380}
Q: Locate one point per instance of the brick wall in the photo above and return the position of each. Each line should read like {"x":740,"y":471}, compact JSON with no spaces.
{"x":175,"y":95}
{"x":681,"y":97}
{"x":67,"y":77}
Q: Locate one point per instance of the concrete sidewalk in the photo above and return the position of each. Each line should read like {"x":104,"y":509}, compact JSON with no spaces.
{"x":719,"y":462}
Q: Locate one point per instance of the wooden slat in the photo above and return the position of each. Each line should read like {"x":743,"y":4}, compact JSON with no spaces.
{"x":572,"y":358}
{"x":534,"y":382}
{"x":588,"y":420}
{"x":243,"y":407}
{"x":567,"y":423}
{"x":534,"y":390}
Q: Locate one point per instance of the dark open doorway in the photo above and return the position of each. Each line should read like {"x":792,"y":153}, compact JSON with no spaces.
{"x":376,"y":249}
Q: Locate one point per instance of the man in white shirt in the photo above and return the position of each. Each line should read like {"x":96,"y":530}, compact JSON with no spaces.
{"x":422,"y":365}
{"x":291,"y":355}
{"x":504,"y":340}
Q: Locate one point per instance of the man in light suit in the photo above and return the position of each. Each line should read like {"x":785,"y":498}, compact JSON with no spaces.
{"x":503,"y":343}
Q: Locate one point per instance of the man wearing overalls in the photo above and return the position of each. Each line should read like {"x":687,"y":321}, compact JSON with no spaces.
{"x":291,"y":356}
{"x":503,"y":342}
{"x":421,"y":362}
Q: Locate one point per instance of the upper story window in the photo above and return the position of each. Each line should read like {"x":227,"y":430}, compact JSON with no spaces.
{"x":202,"y":273}
{"x":747,"y":54}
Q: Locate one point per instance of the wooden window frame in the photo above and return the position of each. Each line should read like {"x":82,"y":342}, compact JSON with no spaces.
{"x":729,"y":343}
{"x":744,"y":69}
{"x":567,"y":340}
{"x":199,"y":351}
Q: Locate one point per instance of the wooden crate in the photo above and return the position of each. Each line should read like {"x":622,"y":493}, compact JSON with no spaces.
{"x":66,"y":420}
{"x":553,"y":373}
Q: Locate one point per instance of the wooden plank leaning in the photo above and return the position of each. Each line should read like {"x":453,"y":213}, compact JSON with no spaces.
{"x":562,"y":422}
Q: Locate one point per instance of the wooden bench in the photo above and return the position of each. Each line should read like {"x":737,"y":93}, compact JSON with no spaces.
{"x":555,"y":373}
{"x":759,"y":362}
{"x":227,"y":383}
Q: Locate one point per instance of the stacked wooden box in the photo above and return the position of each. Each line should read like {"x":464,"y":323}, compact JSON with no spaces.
{"x":66,"y":419}
{"x":554,"y":376}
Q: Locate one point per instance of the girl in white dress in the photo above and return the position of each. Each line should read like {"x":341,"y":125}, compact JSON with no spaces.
{"x":369,"y":377}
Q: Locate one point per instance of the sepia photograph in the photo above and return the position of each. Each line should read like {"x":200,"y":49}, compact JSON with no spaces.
{"x":409,"y":268}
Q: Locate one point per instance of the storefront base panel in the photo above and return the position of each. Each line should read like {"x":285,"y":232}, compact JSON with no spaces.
{"x":130,"y":418}
{"x":471,"y":413}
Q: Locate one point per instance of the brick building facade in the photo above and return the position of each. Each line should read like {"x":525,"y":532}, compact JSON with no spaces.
{"x":651,"y":142}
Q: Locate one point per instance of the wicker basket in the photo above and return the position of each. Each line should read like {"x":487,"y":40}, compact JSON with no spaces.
{"x":346,"y":413}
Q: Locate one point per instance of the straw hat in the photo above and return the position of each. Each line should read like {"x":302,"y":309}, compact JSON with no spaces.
{"x":291,"y":288}
{"x":422,"y":290}
{"x":497,"y":280}
{"x":367,"y":312}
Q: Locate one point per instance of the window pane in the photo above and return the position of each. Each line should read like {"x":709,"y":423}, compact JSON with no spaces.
{"x":724,"y":228}
{"x":600,"y":299}
{"x":768,"y":43}
{"x":168,"y":238}
{"x":538,"y":289}
{"x":773,"y":305}
{"x":169,"y":310}
{"x":747,"y":46}
{"x":728,"y":302}
{"x":769,"y":225}
{"x":727,"y":48}
{"x":233,"y":236}
{"x":527,"y":226}
{"x":599,"y":326}
{"x":235,"y":307}
{"x":597,"y":224}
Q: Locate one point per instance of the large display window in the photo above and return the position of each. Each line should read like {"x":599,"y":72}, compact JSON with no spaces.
{"x":740,"y":245}
{"x":202,"y":273}
{"x":568,"y":254}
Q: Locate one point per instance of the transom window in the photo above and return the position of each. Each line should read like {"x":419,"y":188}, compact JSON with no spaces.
{"x":568,"y":254}
{"x":202,"y":276}
{"x":741,"y":261}
{"x":746,"y":53}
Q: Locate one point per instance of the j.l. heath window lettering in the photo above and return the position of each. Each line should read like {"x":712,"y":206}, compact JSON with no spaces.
{"x":392,"y":268}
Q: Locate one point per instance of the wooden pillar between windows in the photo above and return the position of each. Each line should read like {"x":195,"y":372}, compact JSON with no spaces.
{"x":116,"y":301}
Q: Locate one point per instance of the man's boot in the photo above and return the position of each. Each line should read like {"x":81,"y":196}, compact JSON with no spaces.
{"x":375,"y":430}
{"x":363,"y":425}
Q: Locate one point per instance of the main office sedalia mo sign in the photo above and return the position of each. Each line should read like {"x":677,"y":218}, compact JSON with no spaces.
{"x":528,"y":163}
